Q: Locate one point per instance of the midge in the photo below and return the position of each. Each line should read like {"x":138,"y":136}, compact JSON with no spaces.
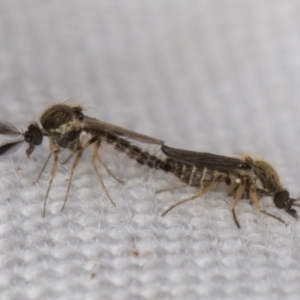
{"x":244,"y":177}
{"x":67,"y":128}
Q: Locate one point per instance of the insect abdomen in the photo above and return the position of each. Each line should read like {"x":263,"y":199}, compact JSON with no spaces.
{"x":189,"y":174}
{"x":134,"y":152}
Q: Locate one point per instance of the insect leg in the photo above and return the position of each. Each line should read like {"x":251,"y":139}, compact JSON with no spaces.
{"x":74,"y":165}
{"x":255,"y":200}
{"x":67,"y":159}
{"x":81,"y":142}
{"x":53,"y":172}
{"x":94,"y":157}
{"x":172,"y":188}
{"x":79,"y":151}
{"x":43,"y":168}
{"x":237,"y":197}
{"x":230,"y":187}
{"x":97,"y":146}
{"x":202,"y":192}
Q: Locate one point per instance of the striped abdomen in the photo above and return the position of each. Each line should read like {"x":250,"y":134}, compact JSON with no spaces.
{"x":189,"y":174}
{"x":134,"y":152}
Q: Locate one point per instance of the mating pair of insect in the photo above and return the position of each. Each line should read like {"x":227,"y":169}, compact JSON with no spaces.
{"x":68,"y":128}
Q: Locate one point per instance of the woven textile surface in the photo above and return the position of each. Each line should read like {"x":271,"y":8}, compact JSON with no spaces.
{"x":210,"y":76}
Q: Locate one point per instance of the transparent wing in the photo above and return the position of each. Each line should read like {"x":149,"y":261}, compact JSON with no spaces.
{"x":92,"y":124}
{"x":10,"y":147}
{"x":9,"y":129}
{"x":205,"y":160}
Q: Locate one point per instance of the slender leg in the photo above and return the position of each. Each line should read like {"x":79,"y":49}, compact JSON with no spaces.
{"x":96,"y":149}
{"x":53,"y":172}
{"x":43,"y":168}
{"x":172,"y":188}
{"x":237,"y":197}
{"x":109,"y":171}
{"x":202,"y":192}
{"x":94,"y":157}
{"x":230,"y":187}
{"x":75,"y":163}
{"x":67,"y":159}
{"x":79,"y":151}
{"x":255,"y":200}
{"x":71,"y":155}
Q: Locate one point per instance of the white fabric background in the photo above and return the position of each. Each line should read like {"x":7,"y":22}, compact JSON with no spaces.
{"x":217,"y":76}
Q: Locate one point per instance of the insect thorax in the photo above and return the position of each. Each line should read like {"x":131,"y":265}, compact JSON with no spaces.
{"x":57,"y":118}
{"x":265,"y":177}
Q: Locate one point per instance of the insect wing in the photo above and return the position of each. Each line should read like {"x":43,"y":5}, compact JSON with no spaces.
{"x":10,"y":147}
{"x":204,"y":160}
{"x":94,"y":125}
{"x":8,"y":129}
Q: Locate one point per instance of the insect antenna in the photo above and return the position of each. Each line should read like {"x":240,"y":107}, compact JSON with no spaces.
{"x":33,"y":136}
{"x":9,"y":129}
{"x":10,"y":147}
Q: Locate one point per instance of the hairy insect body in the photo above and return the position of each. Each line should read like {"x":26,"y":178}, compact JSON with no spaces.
{"x":189,"y":174}
{"x":134,"y":152}
{"x":244,"y":178}
{"x":264,"y":176}
{"x":67,"y":134}
{"x":62,"y":126}
{"x":68,"y":128}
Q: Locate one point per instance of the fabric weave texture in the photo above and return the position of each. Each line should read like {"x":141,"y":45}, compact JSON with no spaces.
{"x":210,"y":76}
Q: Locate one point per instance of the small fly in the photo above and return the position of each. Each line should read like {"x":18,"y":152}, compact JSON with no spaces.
{"x":244,"y":177}
{"x":66,"y":127}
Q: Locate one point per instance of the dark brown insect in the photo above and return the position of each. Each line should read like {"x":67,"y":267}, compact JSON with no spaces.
{"x":67,"y":128}
{"x":244,"y":177}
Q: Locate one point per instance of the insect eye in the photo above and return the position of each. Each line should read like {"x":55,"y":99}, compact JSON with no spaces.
{"x":28,"y":138}
{"x":281,"y":198}
{"x":79,"y":116}
{"x":78,"y":113}
{"x":33,"y":135}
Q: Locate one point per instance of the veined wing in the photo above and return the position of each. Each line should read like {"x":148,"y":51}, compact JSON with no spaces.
{"x":96,"y":125}
{"x":205,"y":160}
